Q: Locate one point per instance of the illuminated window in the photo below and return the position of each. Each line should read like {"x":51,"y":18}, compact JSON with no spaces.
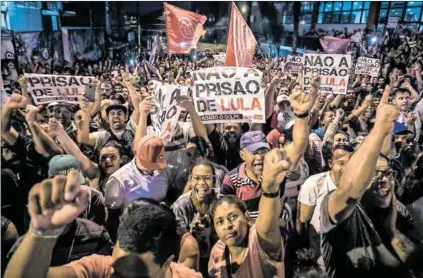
{"x":343,"y":12}
{"x":412,"y":14}
{"x":407,"y":12}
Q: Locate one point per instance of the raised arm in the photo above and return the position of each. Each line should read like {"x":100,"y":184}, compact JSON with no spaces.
{"x":360,"y":110}
{"x":276,"y":163}
{"x":360,"y":168}
{"x":89,"y":168}
{"x":8,"y":133}
{"x":141,"y":130}
{"x":270,"y":96}
{"x":198,"y":126}
{"x":52,"y":204}
{"x":301,"y":104}
{"x":97,"y":102}
{"x":44,"y":144}
{"x":83,"y":128}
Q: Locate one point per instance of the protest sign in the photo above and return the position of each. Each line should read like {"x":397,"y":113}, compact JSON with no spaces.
{"x":333,"y":70}
{"x":392,"y":23}
{"x":165,"y":113}
{"x":46,"y":88}
{"x":293,"y":64}
{"x":367,"y":66}
{"x":223,"y":94}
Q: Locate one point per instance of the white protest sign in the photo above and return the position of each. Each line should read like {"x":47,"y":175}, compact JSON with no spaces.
{"x":333,"y":70}
{"x":368,"y":66}
{"x":165,"y":113}
{"x":223,"y":94}
{"x":293,"y":64}
{"x":57,"y":88}
{"x":392,"y":23}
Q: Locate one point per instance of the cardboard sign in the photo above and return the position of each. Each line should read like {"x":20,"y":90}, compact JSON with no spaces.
{"x":223,"y":94}
{"x":57,"y":88}
{"x":333,"y":69}
{"x":293,"y":64}
{"x":392,"y":23}
{"x":367,"y":66}
{"x":165,"y":113}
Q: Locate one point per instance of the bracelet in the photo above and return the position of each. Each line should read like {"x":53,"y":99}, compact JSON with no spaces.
{"x":54,"y":233}
{"x":271,"y":195}
{"x":302,"y":116}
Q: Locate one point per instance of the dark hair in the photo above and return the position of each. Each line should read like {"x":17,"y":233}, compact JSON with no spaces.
{"x":400,"y":90}
{"x":113,"y":144}
{"x":145,"y":225}
{"x":230,"y":199}
{"x":204,"y":162}
{"x":201,"y":144}
{"x":343,"y":147}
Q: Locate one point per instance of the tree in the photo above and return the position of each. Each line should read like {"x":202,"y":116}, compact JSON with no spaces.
{"x":297,"y":14}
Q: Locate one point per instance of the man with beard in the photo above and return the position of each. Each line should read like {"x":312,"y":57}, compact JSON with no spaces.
{"x":119,"y":130}
{"x":402,"y":100}
{"x":358,"y":220}
{"x":226,"y":144}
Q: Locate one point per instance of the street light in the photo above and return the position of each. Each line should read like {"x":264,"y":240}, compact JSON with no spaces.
{"x":244,"y":9}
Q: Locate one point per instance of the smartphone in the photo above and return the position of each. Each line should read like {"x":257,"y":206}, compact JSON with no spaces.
{"x":90,"y":92}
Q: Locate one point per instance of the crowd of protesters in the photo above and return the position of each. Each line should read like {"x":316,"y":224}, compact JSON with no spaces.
{"x":330,"y":186}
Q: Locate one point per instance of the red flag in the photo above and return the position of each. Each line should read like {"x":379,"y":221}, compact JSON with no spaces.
{"x":332,"y":45}
{"x":241,"y":41}
{"x":183,"y":29}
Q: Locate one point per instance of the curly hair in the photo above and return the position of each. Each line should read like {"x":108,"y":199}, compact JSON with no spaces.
{"x":145,"y":225}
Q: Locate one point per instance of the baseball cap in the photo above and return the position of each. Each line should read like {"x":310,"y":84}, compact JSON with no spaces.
{"x":254,"y":140}
{"x":62,"y":165}
{"x":400,"y":129}
{"x":115,"y":107}
{"x":150,"y":153}
{"x":52,"y":104}
{"x":282,"y":98}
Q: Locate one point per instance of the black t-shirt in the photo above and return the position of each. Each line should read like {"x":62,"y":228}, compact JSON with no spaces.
{"x":224,"y":154}
{"x":83,"y":238}
{"x":353,"y":248}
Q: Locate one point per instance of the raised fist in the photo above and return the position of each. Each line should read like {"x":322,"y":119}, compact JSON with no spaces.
{"x":386,"y":113}
{"x":56,"y":202}
{"x":276,"y":163}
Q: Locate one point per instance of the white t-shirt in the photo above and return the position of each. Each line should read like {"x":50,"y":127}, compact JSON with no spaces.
{"x":312,"y":192}
{"x":128,"y":184}
{"x":417,"y":123}
{"x":291,"y":187}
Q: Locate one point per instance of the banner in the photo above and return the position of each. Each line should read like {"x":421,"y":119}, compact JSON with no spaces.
{"x":332,"y":45}
{"x":293,"y":64}
{"x":241,"y":41}
{"x":183,"y":29}
{"x":333,"y":69}
{"x":57,"y":88}
{"x":8,"y":63}
{"x":165,"y":113}
{"x":392,"y":23}
{"x":368,"y":66}
{"x":223,"y":94}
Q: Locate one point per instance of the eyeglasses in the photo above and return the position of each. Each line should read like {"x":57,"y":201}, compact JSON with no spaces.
{"x":390,"y":174}
{"x":205,"y":178}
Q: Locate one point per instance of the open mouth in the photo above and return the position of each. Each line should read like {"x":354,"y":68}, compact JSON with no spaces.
{"x":258,"y":165}
{"x":383,"y":192}
{"x":201,"y":192}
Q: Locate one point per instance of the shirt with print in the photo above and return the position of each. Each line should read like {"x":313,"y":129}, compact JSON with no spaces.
{"x":353,"y":248}
{"x":236,"y":182}
{"x":256,"y":262}
{"x":312,"y":193}
{"x":128,"y":184}
{"x":97,"y":266}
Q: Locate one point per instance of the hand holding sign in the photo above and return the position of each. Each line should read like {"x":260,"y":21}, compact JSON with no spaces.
{"x":145,"y":106}
{"x":85,"y":105}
